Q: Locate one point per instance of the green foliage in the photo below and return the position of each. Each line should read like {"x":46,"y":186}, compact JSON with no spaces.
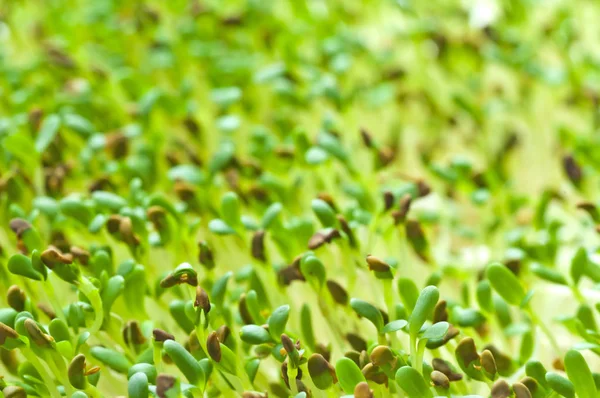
{"x":217,"y":199}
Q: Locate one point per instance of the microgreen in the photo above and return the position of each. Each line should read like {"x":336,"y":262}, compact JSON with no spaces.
{"x":299,"y":199}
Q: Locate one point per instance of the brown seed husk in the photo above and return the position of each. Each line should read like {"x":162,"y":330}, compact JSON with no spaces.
{"x":521,"y":391}
{"x":161,"y":336}
{"x":164,"y":383}
{"x":362,"y":390}
{"x":438,"y":379}
{"x":338,"y":293}
{"x":202,"y":299}
{"x":18,"y":226}
{"x":15,"y":297}
{"x":377,"y":265}
{"x":258,"y":246}
{"x":213,"y":347}
{"x":488,"y":362}
{"x":500,"y":389}
{"x":7,"y":332}
{"x":36,"y":335}
{"x":467,"y":351}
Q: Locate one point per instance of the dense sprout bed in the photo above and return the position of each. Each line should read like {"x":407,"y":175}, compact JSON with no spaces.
{"x":299,"y":198}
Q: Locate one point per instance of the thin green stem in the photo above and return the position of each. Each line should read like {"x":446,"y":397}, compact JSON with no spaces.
{"x":547,"y":332}
{"x":420,"y":353}
{"x":388,"y":295}
{"x":92,"y":293}
{"x":57,"y":365}
{"x":51,"y":295}
{"x":46,"y":378}
{"x":413,"y":352}
{"x":292,"y":372}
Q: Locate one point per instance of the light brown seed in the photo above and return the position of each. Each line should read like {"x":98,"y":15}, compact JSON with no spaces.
{"x":362,"y":390}
{"x":161,"y":335}
{"x":500,"y":389}
{"x":521,"y":391}
{"x":213,"y":347}
{"x":376,"y":264}
{"x":438,"y":379}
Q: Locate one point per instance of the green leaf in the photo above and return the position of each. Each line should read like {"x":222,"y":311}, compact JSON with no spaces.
{"x":79,"y":124}
{"x":548,"y":274}
{"x":185,"y":362}
{"x":251,"y":368}
{"x":114,"y":287}
{"x":527,"y":346}
{"x":332,"y":145}
{"x":225,"y":96}
{"x":320,"y":372}
{"x":59,"y":330}
{"x":228,"y":360}
{"x":47,"y":132}
{"x":219,"y":288}
{"x":74,"y":208}
{"x":20,"y":264}
{"x":177,"y":310}
{"x":313,"y":269}
{"x":254,"y":308}
{"x":146,"y":368}
{"x":112,"y":358}
{"x":578,"y":265}
{"x":270,"y":217}
{"x":316,"y":155}
{"x":412,"y":383}
{"x":47,"y":205}
{"x":37,"y":264}
{"x":348,"y":374}
{"x":306,"y":326}
{"x":484,"y":296}
{"x":369,"y":311}
{"x":586,"y":316}
{"x":580,"y":375}
{"x":436,"y":331}
{"x":394,"y":326}
{"x":137,"y":387}
{"x":324,"y":212}
{"x":505,"y":283}
{"x":108,"y":201}
{"x":22,"y":147}
{"x":278,"y":320}
{"x":409,"y":293}
{"x":537,"y":371}
{"x":423,"y":308}
{"x":220,"y":227}
{"x":254,"y":334}
{"x":188,"y":173}
{"x":230,"y":208}
{"x":222,"y":157}
{"x":32,"y":240}
{"x":561,"y":385}
{"x":7,"y":316}
{"x":467,"y":317}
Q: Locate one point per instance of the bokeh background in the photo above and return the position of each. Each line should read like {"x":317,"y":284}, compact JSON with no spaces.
{"x":497,"y":90}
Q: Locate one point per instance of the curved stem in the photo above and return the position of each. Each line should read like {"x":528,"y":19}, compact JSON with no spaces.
{"x":291,"y":373}
{"x":92,"y":293}
{"x":413,"y":352}
{"x":388,"y":295}
{"x":47,"y":379}
{"x":544,"y":330}
{"x":420,"y":352}
{"x":57,"y":365}
{"x":49,"y":291}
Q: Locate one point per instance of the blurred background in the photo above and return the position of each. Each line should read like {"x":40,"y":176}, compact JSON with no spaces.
{"x":486,"y":100}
